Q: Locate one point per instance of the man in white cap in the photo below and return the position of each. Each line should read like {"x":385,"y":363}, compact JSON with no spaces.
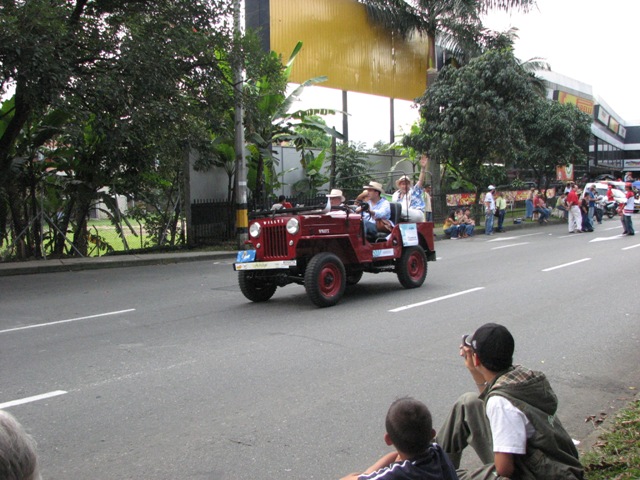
{"x":489,"y":210}
{"x":336,"y":198}
{"x":411,"y":197}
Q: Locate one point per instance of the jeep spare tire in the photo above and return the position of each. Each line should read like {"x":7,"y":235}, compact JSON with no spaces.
{"x":255,"y":287}
{"x":411,"y":267}
{"x":325,"y":279}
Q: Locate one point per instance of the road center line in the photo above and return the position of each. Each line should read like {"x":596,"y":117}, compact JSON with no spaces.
{"x":88,"y":317}
{"x":566,"y":265}
{"x":35,"y":398}
{"x":406,"y":307}
{"x":512,"y":245}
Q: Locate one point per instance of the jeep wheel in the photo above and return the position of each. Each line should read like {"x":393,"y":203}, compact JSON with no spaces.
{"x":411,"y":267}
{"x":325,"y":279}
{"x":255,"y":288}
{"x":354,"y":277}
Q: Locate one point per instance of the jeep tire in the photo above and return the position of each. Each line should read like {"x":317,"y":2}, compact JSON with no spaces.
{"x":325,"y":279}
{"x":411,"y":267}
{"x":255,"y":288}
{"x":354,"y":277}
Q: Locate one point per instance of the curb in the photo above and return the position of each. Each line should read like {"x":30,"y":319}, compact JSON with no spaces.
{"x":119,"y":261}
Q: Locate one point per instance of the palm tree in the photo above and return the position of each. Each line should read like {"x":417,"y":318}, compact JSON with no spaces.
{"x":456,"y":23}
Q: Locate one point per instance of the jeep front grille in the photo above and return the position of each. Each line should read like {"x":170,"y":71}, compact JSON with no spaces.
{"x":275,"y":241}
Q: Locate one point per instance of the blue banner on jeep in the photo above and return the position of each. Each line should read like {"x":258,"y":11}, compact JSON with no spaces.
{"x":245,"y":256}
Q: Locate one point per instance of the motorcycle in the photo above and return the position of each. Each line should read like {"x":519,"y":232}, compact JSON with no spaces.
{"x":611,"y":209}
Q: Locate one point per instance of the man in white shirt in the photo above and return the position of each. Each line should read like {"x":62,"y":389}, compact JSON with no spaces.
{"x":512,"y":425}
{"x":489,"y":210}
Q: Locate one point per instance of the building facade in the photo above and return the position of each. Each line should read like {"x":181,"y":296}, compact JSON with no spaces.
{"x":614,"y":145}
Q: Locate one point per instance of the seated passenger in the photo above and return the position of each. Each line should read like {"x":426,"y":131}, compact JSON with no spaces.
{"x":467,"y":223}
{"x":451,"y":226}
{"x":282,"y":203}
{"x":379,"y":209}
{"x":335,"y":197}
{"x":411,"y":197}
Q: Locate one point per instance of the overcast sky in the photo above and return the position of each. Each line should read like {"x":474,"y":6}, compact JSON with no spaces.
{"x":594,"y":42}
{"x":591,"y":41}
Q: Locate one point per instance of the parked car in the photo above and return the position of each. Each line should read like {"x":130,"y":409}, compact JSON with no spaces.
{"x":619,"y":194}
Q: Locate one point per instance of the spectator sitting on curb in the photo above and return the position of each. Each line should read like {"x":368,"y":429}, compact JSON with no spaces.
{"x":512,"y":423}
{"x":409,"y":429}
{"x":467,"y":223}
{"x":451,"y":226}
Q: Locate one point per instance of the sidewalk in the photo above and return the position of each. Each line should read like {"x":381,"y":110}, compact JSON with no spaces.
{"x":116,"y":261}
{"x":142,"y":259}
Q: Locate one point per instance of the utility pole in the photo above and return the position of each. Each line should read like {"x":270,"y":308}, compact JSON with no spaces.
{"x":242,"y":220}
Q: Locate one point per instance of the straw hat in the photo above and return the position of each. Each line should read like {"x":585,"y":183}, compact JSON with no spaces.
{"x":403,"y":178}
{"x":336,"y":193}
{"x":374,"y":186}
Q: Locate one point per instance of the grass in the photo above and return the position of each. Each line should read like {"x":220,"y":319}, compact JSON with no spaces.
{"x":616,"y":454}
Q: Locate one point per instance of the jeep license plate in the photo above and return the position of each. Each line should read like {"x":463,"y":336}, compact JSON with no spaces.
{"x":264,"y":265}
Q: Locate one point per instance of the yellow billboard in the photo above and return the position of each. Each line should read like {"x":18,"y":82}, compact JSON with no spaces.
{"x":581,"y":103}
{"x":339,"y":41}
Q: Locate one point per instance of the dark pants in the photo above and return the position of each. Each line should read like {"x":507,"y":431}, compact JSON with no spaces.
{"x":501,"y":214}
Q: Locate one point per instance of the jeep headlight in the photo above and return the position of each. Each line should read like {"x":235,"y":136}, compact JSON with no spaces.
{"x":254,"y":230}
{"x":293,"y":226}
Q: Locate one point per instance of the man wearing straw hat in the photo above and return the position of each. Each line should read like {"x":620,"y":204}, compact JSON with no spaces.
{"x":335,"y":197}
{"x":411,"y":197}
{"x":379,"y":208}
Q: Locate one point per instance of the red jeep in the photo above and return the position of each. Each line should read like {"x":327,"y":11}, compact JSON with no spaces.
{"x":325,"y":249}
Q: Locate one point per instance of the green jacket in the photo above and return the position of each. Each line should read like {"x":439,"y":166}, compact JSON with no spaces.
{"x":551,"y":453}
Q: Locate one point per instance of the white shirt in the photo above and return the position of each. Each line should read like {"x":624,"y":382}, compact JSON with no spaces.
{"x":510,"y":428}
{"x":488,"y":198}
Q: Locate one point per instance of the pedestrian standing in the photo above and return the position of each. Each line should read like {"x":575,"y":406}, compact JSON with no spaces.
{"x":599,"y":204}
{"x":573,"y":203}
{"x":529,"y":204}
{"x":489,"y":210}
{"x":501,"y":209}
{"x":627,"y":212}
{"x":428,"y":210}
{"x":591,"y":197}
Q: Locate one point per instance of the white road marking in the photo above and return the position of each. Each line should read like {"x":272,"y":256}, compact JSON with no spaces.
{"x":632,"y":246}
{"x":613,"y":228}
{"x":35,"y":398}
{"x":406,"y":307}
{"x":88,"y":317}
{"x":566,"y":265}
{"x":511,"y":245}
{"x":504,"y":239}
{"x":604,"y":239}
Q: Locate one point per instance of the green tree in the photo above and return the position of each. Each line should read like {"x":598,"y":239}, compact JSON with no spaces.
{"x":471,"y":117}
{"x":555,"y":134}
{"x":352,"y":168}
{"x":137,"y":82}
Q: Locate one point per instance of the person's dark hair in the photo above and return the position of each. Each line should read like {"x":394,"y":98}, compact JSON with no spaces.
{"x":494,"y":346}
{"x":452,"y":215}
{"x":281,"y":198}
{"x":409,"y":426}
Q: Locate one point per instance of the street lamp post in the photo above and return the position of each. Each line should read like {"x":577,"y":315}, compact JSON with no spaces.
{"x":242,"y":222}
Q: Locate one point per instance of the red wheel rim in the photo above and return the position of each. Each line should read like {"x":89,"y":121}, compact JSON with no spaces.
{"x":415,"y":266}
{"x":330,"y":280}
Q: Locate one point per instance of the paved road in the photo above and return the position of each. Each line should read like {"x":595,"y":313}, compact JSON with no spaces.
{"x":168,"y":372}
